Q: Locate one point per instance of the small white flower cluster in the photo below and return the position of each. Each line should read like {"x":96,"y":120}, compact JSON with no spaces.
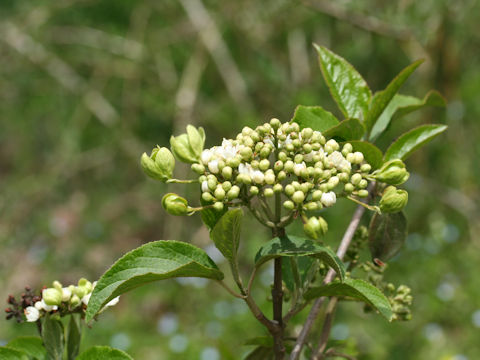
{"x":63,"y":299}
{"x":276,"y":158}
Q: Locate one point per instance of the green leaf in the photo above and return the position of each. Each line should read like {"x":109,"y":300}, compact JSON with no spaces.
{"x":346,"y":130}
{"x":226,"y":233}
{"x":74,"y":335}
{"x":373,"y":155}
{"x":30,"y":345}
{"x":260,"y":353}
{"x":357,"y":289}
{"x":402,"y":105}
{"x":386,"y":235}
{"x":382,"y":98}
{"x":154,"y":261}
{"x":314,"y":117}
{"x":211,"y":216}
{"x":296,"y":246}
{"x":104,"y":353}
{"x":304,"y":263}
{"x":412,"y":140}
{"x":348,"y":88}
{"x":53,"y":337}
{"x":12,"y":354}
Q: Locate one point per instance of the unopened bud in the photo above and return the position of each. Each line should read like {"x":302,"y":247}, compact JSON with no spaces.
{"x":233,"y":192}
{"x":253,"y":190}
{"x":182,"y":149}
{"x":393,"y":200}
{"x":159,"y":165}
{"x":175,"y":205}
{"x":52,"y":296}
{"x":289,"y":205}
{"x":268,"y":192}
{"x":298,"y":197}
{"x":218,"y":206}
{"x":198,"y":168}
{"x":315,"y":227}
{"x":392,"y":172}
{"x":328,"y":198}
{"x":219,"y":193}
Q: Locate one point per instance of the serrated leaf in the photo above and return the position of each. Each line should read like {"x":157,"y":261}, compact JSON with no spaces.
{"x":382,"y":98}
{"x":211,"y":216}
{"x":12,"y":354}
{"x":346,"y":130}
{"x":386,"y":235}
{"x":30,"y":345}
{"x":373,"y":155}
{"x":104,"y":353}
{"x":154,"y":261}
{"x":297,"y":246}
{"x":74,"y":335}
{"x":357,"y":289}
{"x":412,"y":140}
{"x":402,"y":105}
{"x":314,"y":117}
{"x":226,"y":233}
{"x":349,"y":90}
{"x":53,"y":337}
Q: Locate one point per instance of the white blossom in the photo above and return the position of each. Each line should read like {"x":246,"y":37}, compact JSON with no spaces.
{"x":66,"y":294}
{"x":297,"y":168}
{"x":86,"y":298}
{"x":258,"y":177}
{"x":206,"y":156}
{"x":213,"y":166}
{"x":336,"y":159}
{"x":205,"y":186}
{"x":40,"y":305}
{"x":328,"y":199}
{"x":31,"y":313}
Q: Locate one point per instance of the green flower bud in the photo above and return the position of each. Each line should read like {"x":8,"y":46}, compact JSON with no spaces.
{"x":246,"y":153}
{"x":79,"y":291}
{"x":275,"y":123}
{"x":265,"y":152}
{"x":307,"y":148}
{"x":227,"y":172}
{"x":248,"y":141}
{"x":365,"y":168}
{"x":305,"y":187}
{"x":298,"y":158}
{"x":393,"y":200}
{"x":288,"y":166}
{"x":278,"y":165}
{"x":298,"y":197}
{"x":277,"y":188}
{"x":234,"y":162}
{"x":282,"y":156}
{"x":258,"y":146}
{"x":227,"y":185}
{"x":344,"y":177}
{"x":307,"y":133}
{"x":52,"y":296}
{"x":254,"y":190}
{"x":74,"y":301}
{"x":196,"y":139}
{"x":317,"y":173}
{"x":183,"y":149}
{"x":289,"y":189}
{"x":362,"y":193}
{"x":349,"y":188}
{"x":392,"y":172}
{"x":289,"y":205}
{"x":85,"y":284}
{"x":316,"y":146}
{"x":315,"y":227}
{"x":311,"y":206}
{"x":296,"y":143}
{"x":317,"y":195}
{"x":355,"y":179}
{"x":347,"y":149}
{"x":264,"y":164}
{"x":357,"y":157}
{"x":363,"y":184}
{"x":290,"y":147}
{"x":159,"y":165}
{"x":175,"y":205}
{"x":333,"y":181}
{"x":212,"y":183}
{"x":57,"y":285}
{"x":268,"y":192}
{"x":218,"y":206}
{"x":269,"y":179}
{"x":219,"y":193}
{"x":206,"y":196}
{"x":282,"y":175}
{"x":233,"y":192}
{"x":198,"y":168}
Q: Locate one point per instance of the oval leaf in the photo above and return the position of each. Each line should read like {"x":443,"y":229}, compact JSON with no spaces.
{"x":104,"y":353}
{"x":373,"y":155}
{"x":53,"y":337}
{"x":402,"y":105}
{"x":357,"y":289}
{"x":349,"y":90}
{"x":211,"y":216}
{"x":350,"y":129}
{"x":297,"y":246}
{"x":412,"y":140}
{"x":226,"y":233}
{"x":382,"y":98}
{"x":74,"y":336}
{"x":386,"y":235}
{"x":30,"y":345}
{"x":154,"y":261}
{"x":12,"y":354}
{"x":314,"y":117}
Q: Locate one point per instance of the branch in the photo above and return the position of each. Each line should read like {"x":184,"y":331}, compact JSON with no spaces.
{"x":327,"y":327}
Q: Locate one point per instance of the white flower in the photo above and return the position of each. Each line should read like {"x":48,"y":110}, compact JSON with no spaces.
{"x":31,"y":313}
{"x":205,"y":186}
{"x":213,"y":166}
{"x":297,"y":168}
{"x":66,"y":294}
{"x":328,"y":199}
{"x":86,"y":298}
{"x":336,"y":159}
{"x":113,"y":302}
{"x":245,"y":169}
{"x":40,"y":305}
{"x":206,"y":156}
{"x":258,"y":177}
{"x":268,"y":140}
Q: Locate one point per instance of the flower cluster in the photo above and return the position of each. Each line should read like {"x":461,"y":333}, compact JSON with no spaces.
{"x":298,"y":167}
{"x":57,"y":299}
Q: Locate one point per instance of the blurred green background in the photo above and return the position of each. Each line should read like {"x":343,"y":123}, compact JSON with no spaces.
{"x":87,"y":86}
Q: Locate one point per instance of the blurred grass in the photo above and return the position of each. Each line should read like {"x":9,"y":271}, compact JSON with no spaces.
{"x":87,"y":86}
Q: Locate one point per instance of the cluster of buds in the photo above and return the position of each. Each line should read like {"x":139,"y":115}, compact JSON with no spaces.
{"x":57,"y":299}
{"x":301,"y":169}
{"x":17,"y":307}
